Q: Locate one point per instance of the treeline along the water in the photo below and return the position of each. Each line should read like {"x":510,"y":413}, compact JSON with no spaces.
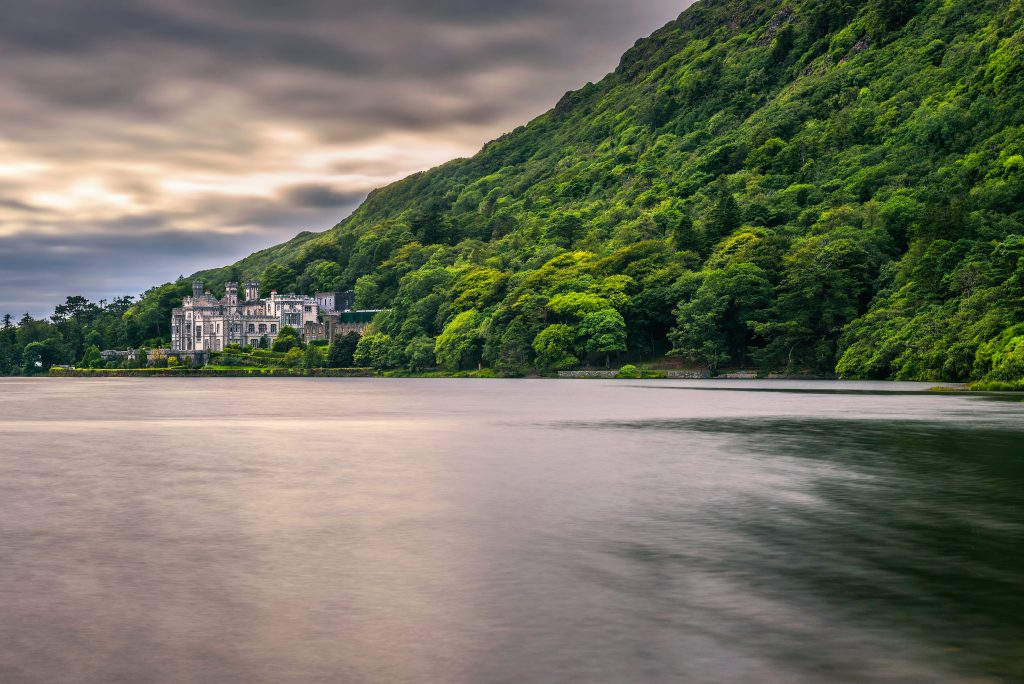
{"x":804,"y":186}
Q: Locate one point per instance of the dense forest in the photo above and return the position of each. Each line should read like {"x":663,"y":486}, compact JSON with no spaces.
{"x":824,"y":187}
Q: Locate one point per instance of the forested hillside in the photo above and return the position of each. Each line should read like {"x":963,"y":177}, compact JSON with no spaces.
{"x":820,"y":187}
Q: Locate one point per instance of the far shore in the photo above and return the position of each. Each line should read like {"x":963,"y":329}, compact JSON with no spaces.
{"x":249,"y":372}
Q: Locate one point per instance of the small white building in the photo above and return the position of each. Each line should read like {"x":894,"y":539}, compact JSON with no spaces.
{"x":207,"y":324}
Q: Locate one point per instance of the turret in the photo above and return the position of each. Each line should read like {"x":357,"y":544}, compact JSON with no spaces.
{"x":197,"y":289}
{"x":252,"y":290}
{"x":231,"y":293}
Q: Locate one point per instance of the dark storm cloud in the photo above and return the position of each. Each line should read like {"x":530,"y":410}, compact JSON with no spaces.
{"x":141,"y":139}
{"x":320,"y":196}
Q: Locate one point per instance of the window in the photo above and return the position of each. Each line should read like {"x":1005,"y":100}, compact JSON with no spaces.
{"x":252,"y":327}
{"x":199,"y":331}
{"x":263,"y":327}
{"x":309,"y":309}
{"x":273,"y":327}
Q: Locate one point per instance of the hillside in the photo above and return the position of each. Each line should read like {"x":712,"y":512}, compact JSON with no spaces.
{"x":805,"y":186}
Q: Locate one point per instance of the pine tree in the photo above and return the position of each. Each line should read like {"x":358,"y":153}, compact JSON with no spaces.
{"x":723,"y":218}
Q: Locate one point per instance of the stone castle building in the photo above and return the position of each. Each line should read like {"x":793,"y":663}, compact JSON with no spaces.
{"x":204,"y":323}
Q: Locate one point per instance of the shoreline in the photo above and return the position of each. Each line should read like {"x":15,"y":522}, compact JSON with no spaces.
{"x":976,"y":387}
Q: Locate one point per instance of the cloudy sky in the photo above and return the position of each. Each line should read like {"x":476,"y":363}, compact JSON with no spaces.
{"x":144,"y":139}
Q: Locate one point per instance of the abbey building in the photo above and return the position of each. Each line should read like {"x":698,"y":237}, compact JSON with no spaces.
{"x":204,"y":323}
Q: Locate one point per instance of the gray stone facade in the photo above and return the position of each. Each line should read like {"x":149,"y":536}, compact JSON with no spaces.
{"x":204,"y":323}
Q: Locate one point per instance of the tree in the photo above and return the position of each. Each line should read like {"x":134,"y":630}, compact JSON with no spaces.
{"x":724,"y":217}
{"x":602,"y":333}
{"x":825,"y":284}
{"x":342,"y":350}
{"x":39,"y":356}
{"x":278,"y":277}
{"x":554,"y":346}
{"x":294,"y":357}
{"x":287,"y":339}
{"x":311,"y":357}
{"x":513,"y":351}
{"x":427,"y":223}
{"x":684,"y":237}
{"x":565,"y":228}
{"x":8,"y":337}
{"x":461,"y":342}
{"x":782,"y":45}
{"x":92,"y":358}
{"x":420,"y":352}
{"x":715,"y":326}
{"x":378,"y":351}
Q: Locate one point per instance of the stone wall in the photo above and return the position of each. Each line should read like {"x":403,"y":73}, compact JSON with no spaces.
{"x":688,"y":374}
{"x":610,"y":374}
{"x":590,"y":375}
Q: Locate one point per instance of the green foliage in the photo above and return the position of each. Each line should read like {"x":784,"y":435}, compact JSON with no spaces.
{"x":818,"y":186}
{"x":91,"y":358}
{"x":341,"y":353}
{"x":554,"y":346}
{"x":378,"y":350}
{"x":286,"y":340}
{"x":716,"y":325}
{"x":312,"y":358}
{"x":294,"y":358}
{"x":628,"y":372}
{"x":460,"y":344}
{"x":420,"y":352}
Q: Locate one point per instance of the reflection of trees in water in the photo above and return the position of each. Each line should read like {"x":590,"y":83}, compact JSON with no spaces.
{"x":850,"y":549}
{"x":919,"y":531}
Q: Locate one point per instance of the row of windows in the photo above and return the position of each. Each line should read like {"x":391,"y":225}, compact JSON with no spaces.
{"x":234,"y":328}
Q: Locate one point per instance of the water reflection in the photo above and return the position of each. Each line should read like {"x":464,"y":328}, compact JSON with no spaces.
{"x":913,"y":532}
{"x":290,"y":530}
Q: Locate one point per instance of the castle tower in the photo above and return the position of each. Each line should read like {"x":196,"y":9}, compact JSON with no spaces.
{"x":252,"y":290}
{"x":231,"y":294}
{"x":197,"y":289}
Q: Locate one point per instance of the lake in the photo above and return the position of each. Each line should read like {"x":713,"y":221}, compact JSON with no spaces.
{"x":520,"y":531}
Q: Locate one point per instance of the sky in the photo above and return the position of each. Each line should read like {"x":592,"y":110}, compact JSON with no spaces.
{"x":141,"y":140}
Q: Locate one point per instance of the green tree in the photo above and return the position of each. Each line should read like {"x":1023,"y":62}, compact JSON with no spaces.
{"x":565,"y":228}
{"x":420,"y":352}
{"x":311,"y":357}
{"x":91,"y":358}
{"x":378,"y":350}
{"x":825,"y":286}
{"x":277,"y":277}
{"x":724,"y":217}
{"x":716,"y":325}
{"x":554,"y":346}
{"x":8,"y":339}
{"x":294,"y":357}
{"x":286,"y":340}
{"x":341,"y":353}
{"x":39,"y":356}
{"x":602,"y":333}
{"x":460,"y":344}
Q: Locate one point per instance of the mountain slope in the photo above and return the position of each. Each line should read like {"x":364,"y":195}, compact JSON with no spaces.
{"x":801,"y":185}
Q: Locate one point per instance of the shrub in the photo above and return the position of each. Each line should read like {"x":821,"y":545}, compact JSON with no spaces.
{"x":629,"y":372}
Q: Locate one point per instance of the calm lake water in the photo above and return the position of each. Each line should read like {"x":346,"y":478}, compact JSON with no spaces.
{"x":366,"y":530}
